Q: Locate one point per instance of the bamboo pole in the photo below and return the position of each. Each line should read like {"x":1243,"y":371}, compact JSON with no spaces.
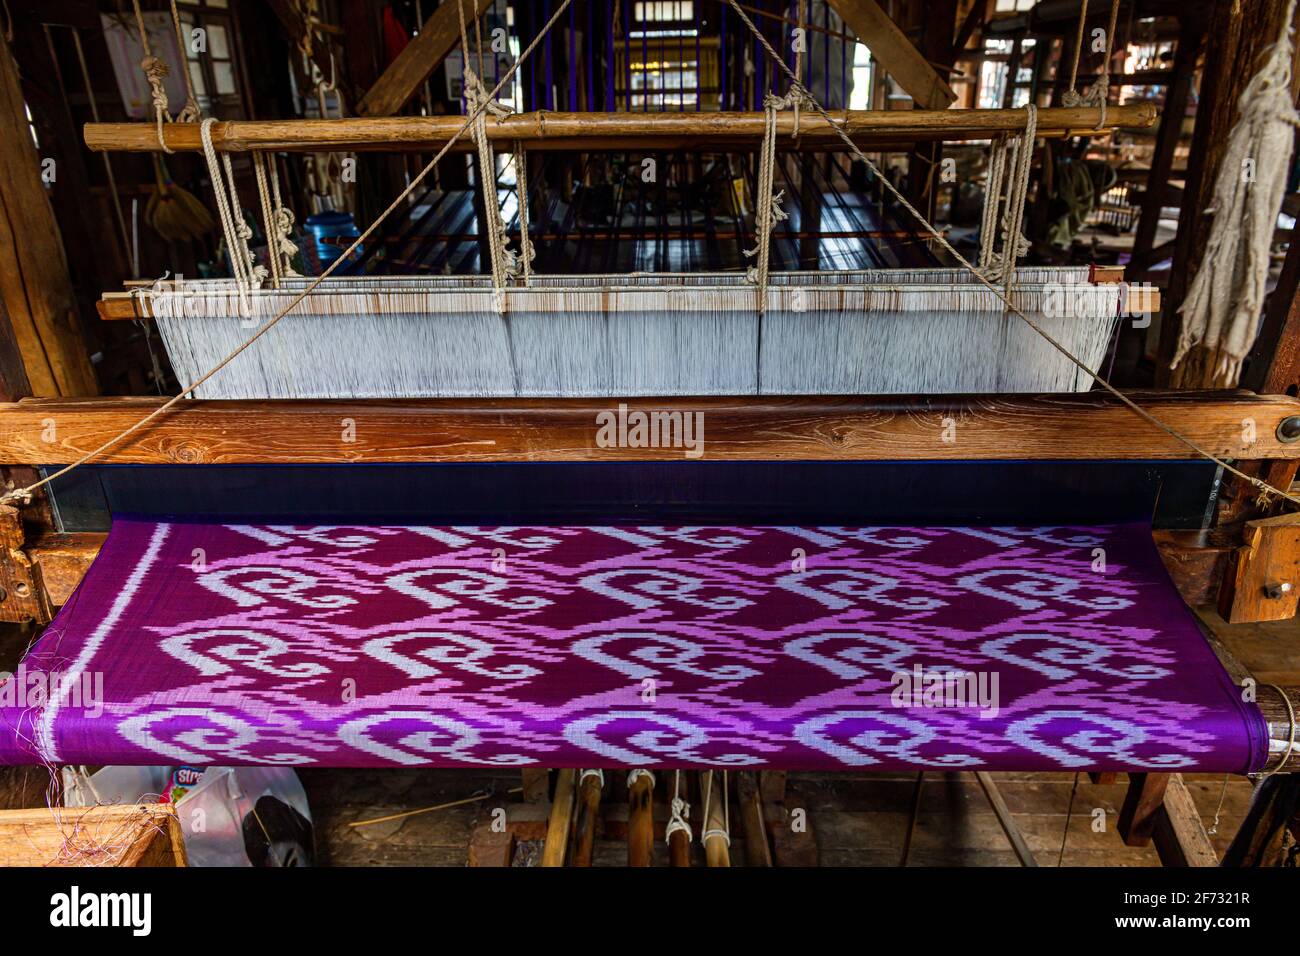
{"x":557,"y":826}
{"x":584,"y":831}
{"x":640,"y":820}
{"x":717,"y":849}
{"x":607,"y":131}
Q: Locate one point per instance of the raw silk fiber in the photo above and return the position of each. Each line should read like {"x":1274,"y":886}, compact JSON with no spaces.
{"x":630,"y":647}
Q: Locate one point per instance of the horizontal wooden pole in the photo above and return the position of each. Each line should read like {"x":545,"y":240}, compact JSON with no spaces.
{"x":606,"y":131}
{"x":1087,"y":426}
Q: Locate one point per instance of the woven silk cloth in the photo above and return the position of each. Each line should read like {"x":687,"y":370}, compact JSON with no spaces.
{"x":797,"y":648}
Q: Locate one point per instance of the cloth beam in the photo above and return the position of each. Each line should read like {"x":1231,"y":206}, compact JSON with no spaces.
{"x":811,"y":648}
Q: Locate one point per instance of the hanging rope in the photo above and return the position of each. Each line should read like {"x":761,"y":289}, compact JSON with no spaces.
{"x":526,"y":251}
{"x":191,"y":113}
{"x":155,"y":72}
{"x":268,"y":216}
{"x":725,"y":833}
{"x":678,"y":822}
{"x":768,"y":211}
{"x":1098,"y":93}
{"x":505,"y":263}
{"x":25,"y":493}
{"x":284,"y":222}
{"x":1267,"y":491}
{"x":1291,"y":733}
{"x":997,"y":261}
{"x":236,"y":231}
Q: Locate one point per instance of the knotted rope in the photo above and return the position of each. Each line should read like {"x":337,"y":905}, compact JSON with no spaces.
{"x":681,"y":811}
{"x":634,"y":775}
{"x":247,"y":275}
{"x":1016,"y":157}
{"x":768,"y":211}
{"x":526,"y":251}
{"x":155,"y":72}
{"x":277,"y":220}
{"x":1098,"y":92}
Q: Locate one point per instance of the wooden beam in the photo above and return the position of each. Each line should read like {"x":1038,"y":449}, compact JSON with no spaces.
{"x":556,"y":848}
{"x":584,"y":829}
{"x":757,"y":850}
{"x":606,"y":131}
{"x":641,"y":821}
{"x":895,"y":52}
{"x":423,"y":55}
{"x":1262,"y":579}
{"x":717,"y":851}
{"x":1146,"y":792}
{"x":1261,"y":839}
{"x":1079,"y":426}
{"x":537,"y":784}
{"x":34,"y":281}
{"x":1179,"y":835}
{"x":1005,"y":820}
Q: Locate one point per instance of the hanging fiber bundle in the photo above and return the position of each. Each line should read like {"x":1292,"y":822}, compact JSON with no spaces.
{"x":1225,"y":299}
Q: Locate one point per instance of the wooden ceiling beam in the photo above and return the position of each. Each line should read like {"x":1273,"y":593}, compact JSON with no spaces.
{"x":896,"y":54}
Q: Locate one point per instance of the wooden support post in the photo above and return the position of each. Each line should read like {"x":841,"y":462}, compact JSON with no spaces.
{"x":561,"y":820}
{"x":771,"y":785}
{"x":537,"y":784}
{"x":757,"y":850}
{"x":1005,"y":820}
{"x":491,"y":842}
{"x":584,"y":831}
{"x":679,"y":842}
{"x":34,"y":281}
{"x":1179,"y":836}
{"x":1146,"y":792}
{"x":1262,"y":579}
{"x":716,"y":838}
{"x":640,"y":820}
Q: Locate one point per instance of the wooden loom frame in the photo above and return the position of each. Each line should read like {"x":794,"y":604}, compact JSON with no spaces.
{"x":35,"y":574}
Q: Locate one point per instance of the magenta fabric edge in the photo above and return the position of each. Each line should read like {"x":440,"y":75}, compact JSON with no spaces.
{"x":109,"y":572}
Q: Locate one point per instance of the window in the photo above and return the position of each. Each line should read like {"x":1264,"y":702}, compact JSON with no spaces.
{"x":665,"y":11}
{"x":213,"y":71}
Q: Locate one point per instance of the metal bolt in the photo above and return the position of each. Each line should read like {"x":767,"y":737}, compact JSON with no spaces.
{"x":1277,"y":590}
{"x":1288,"y":430}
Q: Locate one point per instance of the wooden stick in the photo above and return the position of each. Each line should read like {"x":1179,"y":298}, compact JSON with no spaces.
{"x":1005,"y":820}
{"x":640,"y":821}
{"x":584,"y":831}
{"x":603,"y":131}
{"x":757,"y":850}
{"x":717,"y":851}
{"x":1146,"y":793}
{"x":557,"y":828}
{"x":679,"y":843}
{"x":912,"y":818}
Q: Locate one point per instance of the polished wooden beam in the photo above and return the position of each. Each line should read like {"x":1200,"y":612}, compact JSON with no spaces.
{"x":555,"y":849}
{"x":1081,"y":426}
{"x":1179,"y":835}
{"x":607,"y":131}
{"x":640,"y":820}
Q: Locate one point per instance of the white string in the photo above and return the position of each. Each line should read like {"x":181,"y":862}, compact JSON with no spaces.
{"x":634,"y":775}
{"x":681,"y":811}
{"x":725,"y":832}
{"x":240,"y":257}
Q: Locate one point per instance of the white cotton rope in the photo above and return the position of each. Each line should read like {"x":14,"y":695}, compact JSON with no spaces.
{"x":1266,"y":490}
{"x":768,"y":202}
{"x":634,"y":775}
{"x":268,"y":216}
{"x":681,"y":811}
{"x":713,"y":833}
{"x":998,"y":263}
{"x":598,"y":774}
{"x":1226,"y":296}
{"x":1098,"y":93}
{"x":236,"y":231}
